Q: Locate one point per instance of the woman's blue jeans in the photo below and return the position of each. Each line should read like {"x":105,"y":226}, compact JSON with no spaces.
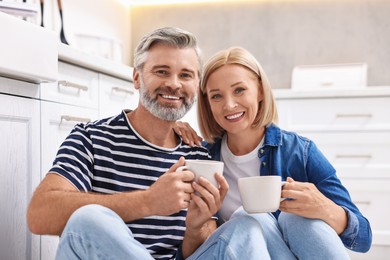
{"x":96,"y":232}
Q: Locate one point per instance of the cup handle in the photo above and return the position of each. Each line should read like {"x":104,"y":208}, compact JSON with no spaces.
{"x":181,"y":168}
{"x":281,"y":184}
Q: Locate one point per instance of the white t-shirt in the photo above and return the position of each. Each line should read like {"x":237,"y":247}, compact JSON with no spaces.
{"x":237,"y":167}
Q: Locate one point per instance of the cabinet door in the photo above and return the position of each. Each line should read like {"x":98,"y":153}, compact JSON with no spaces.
{"x":19,"y":174}
{"x":337,"y":114}
{"x":57,"y":121}
{"x":76,"y":86}
{"x":115,"y":95}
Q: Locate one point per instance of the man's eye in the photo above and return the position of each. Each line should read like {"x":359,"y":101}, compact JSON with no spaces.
{"x":162,"y":72}
{"x":186,"y":75}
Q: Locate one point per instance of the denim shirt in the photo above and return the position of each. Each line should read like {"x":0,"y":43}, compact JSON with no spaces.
{"x":289,"y":155}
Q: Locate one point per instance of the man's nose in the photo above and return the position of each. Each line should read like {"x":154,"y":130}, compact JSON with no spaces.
{"x":173,"y":82}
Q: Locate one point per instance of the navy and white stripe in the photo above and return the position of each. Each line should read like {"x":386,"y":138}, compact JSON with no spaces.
{"x":108,"y":156}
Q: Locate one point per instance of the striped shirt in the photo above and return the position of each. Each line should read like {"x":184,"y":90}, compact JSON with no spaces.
{"x":109,"y":156}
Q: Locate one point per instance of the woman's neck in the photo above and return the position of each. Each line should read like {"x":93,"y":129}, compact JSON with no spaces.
{"x":244,"y":143}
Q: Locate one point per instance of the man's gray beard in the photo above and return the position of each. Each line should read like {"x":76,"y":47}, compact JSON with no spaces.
{"x":163,"y":112}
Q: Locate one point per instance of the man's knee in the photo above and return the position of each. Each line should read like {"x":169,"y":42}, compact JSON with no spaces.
{"x":88,"y":217}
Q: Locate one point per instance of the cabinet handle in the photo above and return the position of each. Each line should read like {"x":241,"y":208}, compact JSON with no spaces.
{"x":68,"y":84}
{"x":362,"y":202}
{"x":124,"y":90}
{"x":353,"y":115}
{"x":354,"y":156}
{"x":75,"y":119}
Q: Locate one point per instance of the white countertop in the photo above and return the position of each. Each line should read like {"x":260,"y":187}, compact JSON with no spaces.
{"x":332,"y":92}
{"x":71,"y":55}
{"x":28,"y":52}
{"x":31,"y":53}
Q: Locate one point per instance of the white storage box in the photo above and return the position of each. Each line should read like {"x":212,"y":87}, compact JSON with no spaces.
{"x":349,"y":75}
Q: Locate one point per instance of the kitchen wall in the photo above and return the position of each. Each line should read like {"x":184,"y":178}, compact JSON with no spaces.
{"x":284,"y":33}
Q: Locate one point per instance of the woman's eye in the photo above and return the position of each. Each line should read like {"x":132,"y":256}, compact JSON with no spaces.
{"x":215,"y":96}
{"x":239,"y":90}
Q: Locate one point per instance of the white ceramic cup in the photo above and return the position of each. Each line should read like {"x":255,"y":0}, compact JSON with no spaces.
{"x":204,"y":168}
{"x":260,"y":194}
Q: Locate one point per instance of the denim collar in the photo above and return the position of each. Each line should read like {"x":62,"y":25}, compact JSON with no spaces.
{"x":273,"y":135}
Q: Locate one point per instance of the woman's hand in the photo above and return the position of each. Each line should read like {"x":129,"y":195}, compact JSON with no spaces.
{"x":206,"y":201}
{"x":307,"y":201}
{"x":203,"y":205}
{"x":187,"y":133}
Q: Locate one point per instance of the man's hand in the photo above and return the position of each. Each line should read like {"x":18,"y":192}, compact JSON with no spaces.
{"x":171,"y":192}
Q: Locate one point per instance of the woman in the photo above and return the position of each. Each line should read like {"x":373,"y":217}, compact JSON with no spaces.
{"x":237,"y":117}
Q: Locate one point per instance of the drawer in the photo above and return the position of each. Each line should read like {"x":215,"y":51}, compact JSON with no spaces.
{"x":57,"y":120}
{"x":377,"y":252}
{"x":75,"y":86}
{"x":19,"y":88}
{"x":371,"y":197}
{"x":115,"y":95}
{"x":334,"y":114}
{"x":357,"y":154}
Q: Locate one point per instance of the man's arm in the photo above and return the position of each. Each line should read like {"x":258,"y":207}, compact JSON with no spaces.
{"x":56,"y":199}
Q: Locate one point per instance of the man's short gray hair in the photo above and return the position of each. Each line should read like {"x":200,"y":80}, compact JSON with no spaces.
{"x":170,"y":36}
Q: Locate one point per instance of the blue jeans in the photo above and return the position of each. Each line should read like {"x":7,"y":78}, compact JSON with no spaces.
{"x":89,"y":235}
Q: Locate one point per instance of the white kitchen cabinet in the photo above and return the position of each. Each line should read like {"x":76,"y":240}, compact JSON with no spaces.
{"x":20,"y":168}
{"x":75,"y":86}
{"x":72,"y":99}
{"x":57,"y":120}
{"x":352,"y":129}
{"x":115,"y":95}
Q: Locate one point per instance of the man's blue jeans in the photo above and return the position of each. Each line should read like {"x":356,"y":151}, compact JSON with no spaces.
{"x":96,"y":232}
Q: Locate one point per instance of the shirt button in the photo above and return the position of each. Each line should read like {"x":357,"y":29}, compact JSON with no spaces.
{"x":264,"y":164}
{"x":261,"y":151}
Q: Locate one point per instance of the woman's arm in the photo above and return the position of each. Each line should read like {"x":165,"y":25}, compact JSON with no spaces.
{"x":321,"y":195}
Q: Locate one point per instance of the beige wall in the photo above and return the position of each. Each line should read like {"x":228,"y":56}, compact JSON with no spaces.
{"x":283,"y":34}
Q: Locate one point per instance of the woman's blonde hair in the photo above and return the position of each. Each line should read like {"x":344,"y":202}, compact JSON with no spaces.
{"x":267,"y":112}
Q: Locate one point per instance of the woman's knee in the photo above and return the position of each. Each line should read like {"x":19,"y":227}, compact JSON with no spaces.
{"x":291,"y":222}
{"x":243,"y":225}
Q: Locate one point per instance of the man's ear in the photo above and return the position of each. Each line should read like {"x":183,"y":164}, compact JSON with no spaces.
{"x":136,"y":78}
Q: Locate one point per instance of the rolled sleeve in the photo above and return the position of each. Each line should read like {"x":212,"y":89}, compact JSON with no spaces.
{"x":350,"y":233}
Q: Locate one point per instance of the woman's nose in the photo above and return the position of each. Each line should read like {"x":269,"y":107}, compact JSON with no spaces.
{"x":230,"y":104}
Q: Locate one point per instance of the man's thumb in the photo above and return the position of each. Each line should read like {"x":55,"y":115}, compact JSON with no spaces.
{"x":179,"y":163}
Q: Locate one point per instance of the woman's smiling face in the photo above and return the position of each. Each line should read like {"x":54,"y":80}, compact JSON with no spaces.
{"x":234,"y":96}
